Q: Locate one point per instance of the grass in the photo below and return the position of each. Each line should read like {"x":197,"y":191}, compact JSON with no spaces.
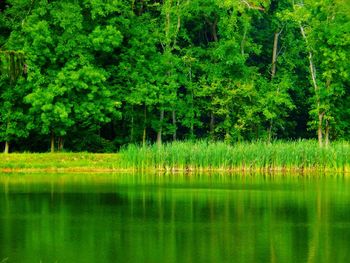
{"x":58,"y":161}
{"x":201,"y":155}
{"x":193,"y":156}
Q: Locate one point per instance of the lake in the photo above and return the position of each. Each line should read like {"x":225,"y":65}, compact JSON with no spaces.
{"x":141,"y":218}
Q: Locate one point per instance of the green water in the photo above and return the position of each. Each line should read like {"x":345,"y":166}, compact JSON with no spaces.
{"x":178,"y":218}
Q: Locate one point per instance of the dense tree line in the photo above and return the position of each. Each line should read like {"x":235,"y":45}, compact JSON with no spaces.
{"x":96,"y":74}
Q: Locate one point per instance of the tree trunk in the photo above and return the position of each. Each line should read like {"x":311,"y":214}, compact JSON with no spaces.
{"x":328,"y":83}
{"x":132,"y":129}
{"x":274,"y":55}
{"x":178,"y":25}
{"x":327,"y":134}
{"x":7,"y":144}
{"x":273,"y":74}
{"x":132,"y":124}
{"x":141,"y":8}
{"x":316,"y":90}
{"x":319,"y":130}
{"x":269,"y":132}
{"x":7,"y":147}
{"x":174,"y":124}
{"x":192,"y":129}
{"x":144,"y":137}
{"x":211,"y":125}
{"x":159,"y":134}
{"x":60,"y":144}
{"x":215,"y":35}
{"x":256,"y":129}
{"x":192,"y":105}
{"x":52,"y":142}
{"x":144,"y":126}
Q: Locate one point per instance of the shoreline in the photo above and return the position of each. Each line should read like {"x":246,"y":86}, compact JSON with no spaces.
{"x":191,"y":157}
{"x":17,"y":167}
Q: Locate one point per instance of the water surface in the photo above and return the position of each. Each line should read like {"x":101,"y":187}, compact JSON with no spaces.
{"x":174,"y":218}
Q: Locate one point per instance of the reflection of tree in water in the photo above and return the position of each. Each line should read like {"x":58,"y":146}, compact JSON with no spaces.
{"x":249,"y":221}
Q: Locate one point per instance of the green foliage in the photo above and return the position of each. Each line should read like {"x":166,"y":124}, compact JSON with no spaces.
{"x":68,"y":86}
{"x":134,"y":71}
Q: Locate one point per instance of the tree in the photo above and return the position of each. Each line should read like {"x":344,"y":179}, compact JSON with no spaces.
{"x":325,"y":30}
{"x":68,"y":86}
{"x":138,"y":72}
{"x":124,"y":71}
{"x":14,"y":123}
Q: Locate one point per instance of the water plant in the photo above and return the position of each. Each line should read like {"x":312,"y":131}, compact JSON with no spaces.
{"x":204,"y":155}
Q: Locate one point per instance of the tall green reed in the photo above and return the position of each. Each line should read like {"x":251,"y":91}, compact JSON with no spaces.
{"x":204,"y":155}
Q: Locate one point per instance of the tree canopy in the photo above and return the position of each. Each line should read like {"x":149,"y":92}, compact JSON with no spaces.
{"x":94,"y":75}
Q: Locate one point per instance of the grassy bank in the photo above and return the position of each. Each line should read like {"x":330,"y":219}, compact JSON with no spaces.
{"x":59,"y":161}
{"x":299,"y":155}
{"x":198,"y":156}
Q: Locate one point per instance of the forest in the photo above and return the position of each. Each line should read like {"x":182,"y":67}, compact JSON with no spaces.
{"x":94,"y":75}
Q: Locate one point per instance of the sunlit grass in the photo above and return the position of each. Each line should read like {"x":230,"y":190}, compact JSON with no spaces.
{"x":53,"y":161}
{"x":194,"y":156}
{"x":202,"y":155}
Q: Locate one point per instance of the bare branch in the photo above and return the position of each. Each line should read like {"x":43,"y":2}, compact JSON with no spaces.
{"x":251,"y":6}
{"x":178,"y":23}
